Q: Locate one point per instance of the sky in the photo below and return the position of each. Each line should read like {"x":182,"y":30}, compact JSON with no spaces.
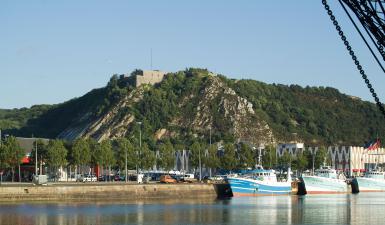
{"x":52,"y":51}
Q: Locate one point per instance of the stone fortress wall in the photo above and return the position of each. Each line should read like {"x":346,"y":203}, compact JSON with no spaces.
{"x":149,"y":77}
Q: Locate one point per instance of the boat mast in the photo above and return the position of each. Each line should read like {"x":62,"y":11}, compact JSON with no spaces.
{"x":259,"y":155}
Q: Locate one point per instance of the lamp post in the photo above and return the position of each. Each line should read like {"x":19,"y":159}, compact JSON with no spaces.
{"x":210,"y":149}
{"x":313,"y":154}
{"x":35,"y":157}
{"x":140,"y":146}
{"x":313,"y":158}
{"x":200,"y":165}
{"x":125,"y":166}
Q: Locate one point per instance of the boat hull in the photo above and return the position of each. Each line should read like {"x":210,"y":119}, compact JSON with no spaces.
{"x":323,"y":185}
{"x":251,"y":187}
{"x":370,"y":184}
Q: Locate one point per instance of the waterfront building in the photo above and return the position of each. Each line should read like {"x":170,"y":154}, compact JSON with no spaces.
{"x":352,"y":160}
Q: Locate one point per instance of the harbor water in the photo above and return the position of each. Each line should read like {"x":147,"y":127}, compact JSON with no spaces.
{"x":363,"y":208}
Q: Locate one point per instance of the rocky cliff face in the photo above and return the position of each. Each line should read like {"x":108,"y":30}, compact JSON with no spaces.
{"x":112,"y":124}
{"x":215,"y":106}
{"x":219,"y":107}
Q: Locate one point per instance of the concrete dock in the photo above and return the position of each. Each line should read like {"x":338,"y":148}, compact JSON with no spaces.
{"x":111,"y":191}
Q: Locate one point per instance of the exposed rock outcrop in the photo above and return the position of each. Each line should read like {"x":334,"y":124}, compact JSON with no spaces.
{"x":113,"y":124}
{"x":216,"y":106}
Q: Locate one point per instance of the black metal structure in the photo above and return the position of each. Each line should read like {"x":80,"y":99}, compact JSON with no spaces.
{"x":370,"y":13}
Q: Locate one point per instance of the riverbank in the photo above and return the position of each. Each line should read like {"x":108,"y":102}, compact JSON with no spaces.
{"x":110,"y":191}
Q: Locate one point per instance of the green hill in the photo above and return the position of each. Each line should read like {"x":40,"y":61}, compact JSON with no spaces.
{"x":189,"y":103}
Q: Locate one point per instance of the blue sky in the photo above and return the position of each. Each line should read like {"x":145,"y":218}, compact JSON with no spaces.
{"x":52,"y":51}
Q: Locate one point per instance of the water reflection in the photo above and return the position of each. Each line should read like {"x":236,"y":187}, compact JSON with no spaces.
{"x":317,"y":209}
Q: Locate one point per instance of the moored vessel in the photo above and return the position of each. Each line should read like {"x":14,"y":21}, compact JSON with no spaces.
{"x":372,"y":181}
{"x":258,"y":182}
{"x":324,"y":181}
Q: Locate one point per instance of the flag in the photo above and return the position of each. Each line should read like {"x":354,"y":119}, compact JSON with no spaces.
{"x":373,"y":145}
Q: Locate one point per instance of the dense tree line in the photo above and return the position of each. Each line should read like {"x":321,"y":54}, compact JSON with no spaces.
{"x":112,"y":155}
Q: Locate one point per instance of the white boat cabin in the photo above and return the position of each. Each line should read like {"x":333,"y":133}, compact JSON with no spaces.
{"x":326,"y":171}
{"x":261,"y":174}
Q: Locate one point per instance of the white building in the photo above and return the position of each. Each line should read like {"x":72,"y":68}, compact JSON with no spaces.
{"x":350,"y":159}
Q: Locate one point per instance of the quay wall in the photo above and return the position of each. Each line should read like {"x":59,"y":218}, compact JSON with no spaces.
{"x":105,"y":192}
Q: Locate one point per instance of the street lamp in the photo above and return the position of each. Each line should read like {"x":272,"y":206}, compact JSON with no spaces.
{"x":35,"y":157}
{"x":210,"y":149}
{"x":200,"y":165}
{"x":313,"y":152}
{"x":313,"y":158}
{"x":140,"y":146}
{"x":125,"y":147}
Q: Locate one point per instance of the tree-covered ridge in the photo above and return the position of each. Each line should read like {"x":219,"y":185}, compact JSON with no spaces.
{"x":313,"y":114}
{"x":49,"y":120}
{"x":184,"y":107}
{"x":17,"y":118}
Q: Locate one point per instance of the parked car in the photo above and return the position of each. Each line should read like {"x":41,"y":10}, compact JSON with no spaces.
{"x":133,"y":178}
{"x":79,"y":177}
{"x":167,"y":179}
{"x":89,"y":178}
{"x":118,"y":177}
{"x":178,"y":178}
{"x":146,"y":178}
{"x":188,"y":177}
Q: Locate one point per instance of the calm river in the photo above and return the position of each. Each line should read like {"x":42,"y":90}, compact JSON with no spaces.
{"x":364,"y":208}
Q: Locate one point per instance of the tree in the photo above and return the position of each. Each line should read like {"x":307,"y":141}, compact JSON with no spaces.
{"x":80,"y":153}
{"x":320,"y":157}
{"x":285,"y":160}
{"x":95,"y":152}
{"x":123,"y":146}
{"x":107,"y":155}
{"x":41,"y":153}
{"x":269,"y":158}
{"x":103,"y":156}
{"x":56,"y":155}
{"x":246,"y":156}
{"x":167,"y":156}
{"x":300,"y":162}
{"x":229,"y":160}
{"x":147,"y":157}
{"x":195,"y":154}
{"x":212,"y":160}
{"x":15,"y":154}
{"x":4,"y":157}
{"x":97,"y":155}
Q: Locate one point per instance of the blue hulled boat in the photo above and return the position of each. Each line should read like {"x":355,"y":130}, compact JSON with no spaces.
{"x":258,"y":182}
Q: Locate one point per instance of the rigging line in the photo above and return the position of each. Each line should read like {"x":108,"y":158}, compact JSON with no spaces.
{"x":375,"y":15}
{"x":362,"y":36}
{"x":381,"y":6}
{"x":377,"y":30}
{"x":366,"y":26}
{"x":354,"y":57}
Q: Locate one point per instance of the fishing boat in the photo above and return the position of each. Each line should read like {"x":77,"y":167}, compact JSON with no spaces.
{"x":258,"y":182}
{"x":371,"y":181}
{"x":324,"y":181}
